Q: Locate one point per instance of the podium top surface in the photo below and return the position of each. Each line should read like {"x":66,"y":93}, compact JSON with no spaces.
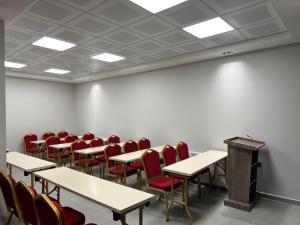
{"x":244,"y":143}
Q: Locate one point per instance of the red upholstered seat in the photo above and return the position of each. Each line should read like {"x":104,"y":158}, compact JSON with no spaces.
{"x":183,"y":150}
{"x":144,"y":143}
{"x":31,"y":148}
{"x":25,"y":196}
{"x":130,"y":146}
{"x":114,"y":150}
{"x":47,"y":135}
{"x":62,"y":134}
{"x":138,"y":165}
{"x":71,"y":138}
{"x":7,"y":187}
{"x":53,"y":154}
{"x":113,"y":139}
{"x":164,"y":183}
{"x":169,"y":155}
{"x":88,"y":136}
{"x":120,"y":170}
{"x":51,"y":213}
{"x":87,"y":162}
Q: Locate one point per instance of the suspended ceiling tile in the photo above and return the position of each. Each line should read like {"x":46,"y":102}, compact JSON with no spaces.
{"x":101,"y":45}
{"x":259,"y":13}
{"x":123,"y":37}
{"x":33,"y":24}
{"x":83,"y":4}
{"x":92,"y":25}
{"x":226,"y":6}
{"x":175,"y":37}
{"x":53,"y":11}
{"x":70,"y":35}
{"x":187,"y":13}
{"x":17,"y":35}
{"x":147,"y":46}
{"x":151,"y":26}
{"x":120,"y":12}
{"x":225,"y":38}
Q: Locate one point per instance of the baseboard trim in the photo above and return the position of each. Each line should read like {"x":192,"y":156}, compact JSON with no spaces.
{"x":279,"y":198}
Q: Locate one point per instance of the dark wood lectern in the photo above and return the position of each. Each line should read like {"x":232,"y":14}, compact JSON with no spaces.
{"x":242,"y":163}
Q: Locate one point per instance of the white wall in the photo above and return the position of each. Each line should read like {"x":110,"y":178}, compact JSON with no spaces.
{"x":36,"y":107}
{"x":203,"y":104}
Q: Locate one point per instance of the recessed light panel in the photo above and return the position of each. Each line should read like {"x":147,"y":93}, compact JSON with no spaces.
{"x":107,"y":57}
{"x":53,"y":43}
{"x":57,"y":71}
{"x":156,"y":6}
{"x":14,"y":65}
{"x":209,"y":28}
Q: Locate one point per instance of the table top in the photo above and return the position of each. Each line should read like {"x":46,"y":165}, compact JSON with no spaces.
{"x":116,"y":197}
{"x":38,"y":142}
{"x":27,"y":163}
{"x":195,"y":164}
{"x":90,"y":151}
{"x":133,"y":156}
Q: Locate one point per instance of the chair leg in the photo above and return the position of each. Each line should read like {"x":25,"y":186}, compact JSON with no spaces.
{"x":167,"y":205}
{"x":9,"y":218}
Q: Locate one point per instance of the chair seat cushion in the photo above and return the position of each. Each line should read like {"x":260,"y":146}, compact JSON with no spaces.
{"x":138,"y":165}
{"x":73,"y":217}
{"x":164,"y":183}
{"x":88,"y":162}
{"x":100,"y":158}
{"x":119,"y":170}
{"x":32,"y":150}
{"x":54,"y":155}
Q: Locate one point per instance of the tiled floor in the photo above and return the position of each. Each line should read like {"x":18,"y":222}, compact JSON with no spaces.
{"x":207,"y":210}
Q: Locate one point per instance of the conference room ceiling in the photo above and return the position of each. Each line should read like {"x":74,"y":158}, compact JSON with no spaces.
{"x":147,"y":41}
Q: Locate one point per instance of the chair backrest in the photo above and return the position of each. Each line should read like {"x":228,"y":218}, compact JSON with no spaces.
{"x":62,"y":134}
{"x":28,"y":139}
{"x":78,"y":145}
{"x":110,"y":151}
{"x":183,"y":150}
{"x":47,"y":135}
{"x":113,"y":139}
{"x":151,"y":164}
{"x":131,"y":146}
{"x":25,"y":196}
{"x":88,"y":136}
{"x":7,"y":187}
{"x":49,"y":212}
{"x":169,"y":154}
{"x":96,"y":142}
{"x":51,"y":141}
{"x":144,"y":143}
{"x":71,"y":138}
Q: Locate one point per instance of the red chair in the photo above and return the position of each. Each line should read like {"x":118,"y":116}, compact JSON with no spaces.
{"x":62,"y":134}
{"x":144,"y":143}
{"x":10,"y":198}
{"x":85,"y":164}
{"x":71,"y":138}
{"x":113,"y":139}
{"x":132,"y":146}
{"x":98,"y":142}
{"x":154,"y":178}
{"x":47,"y":135}
{"x":116,"y":171}
{"x":51,"y":213}
{"x":169,"y":155}
{"x":59,"y":156}
{"x":88,"y":136}
{"x":30,"y":148}
{"x":183,"y":153}
{"x":25,"y":196}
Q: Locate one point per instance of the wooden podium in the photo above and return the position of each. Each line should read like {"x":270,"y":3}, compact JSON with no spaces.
{"x":242,"y":163}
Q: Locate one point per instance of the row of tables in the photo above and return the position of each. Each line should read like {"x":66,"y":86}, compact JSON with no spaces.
{"x":116,"y":197}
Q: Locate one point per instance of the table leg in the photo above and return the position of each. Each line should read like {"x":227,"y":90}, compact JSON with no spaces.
{"x":32,"y":180}
{"x":58,"y":193}
{"x":123,"y":219}
{"x":186,"y":201}
{"x":10,"y":170}
{"x":169,"y":208}
{"x":47,"y":187}
{"x":43,"y":186}
{"x":141,"y":215}
{"x":125,"y":174}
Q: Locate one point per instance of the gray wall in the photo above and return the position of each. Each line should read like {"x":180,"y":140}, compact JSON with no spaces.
{"x":36,"y":107}
{"x":2,"y":115}
{"x":204,"y":103}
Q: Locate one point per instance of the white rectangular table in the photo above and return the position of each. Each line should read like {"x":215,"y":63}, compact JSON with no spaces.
{"x":118,"y":198}
{"x":27,"y":163}
{"x":190,"y":167}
